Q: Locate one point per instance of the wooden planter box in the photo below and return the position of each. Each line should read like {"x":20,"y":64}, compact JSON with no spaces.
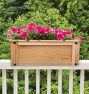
{"x":44,"y":52}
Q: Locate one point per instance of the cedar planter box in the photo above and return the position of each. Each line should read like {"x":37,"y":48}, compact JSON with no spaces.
{"x":44,"y":52}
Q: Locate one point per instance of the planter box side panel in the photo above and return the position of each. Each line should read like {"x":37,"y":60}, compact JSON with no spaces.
{"x":44,"y":55}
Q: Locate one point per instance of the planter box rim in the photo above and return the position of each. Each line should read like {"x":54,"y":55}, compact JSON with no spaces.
{"x":75,"y":40}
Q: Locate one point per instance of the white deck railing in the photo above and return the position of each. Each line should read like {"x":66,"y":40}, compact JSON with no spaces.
{"x":5,"y":65}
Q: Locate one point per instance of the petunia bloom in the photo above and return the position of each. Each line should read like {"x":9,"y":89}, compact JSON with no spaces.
{"x":40,"y":29}
{"x":24,"y":35}
{"x":13,"y":30}
{"x":81,"y":39}
{"x":31,"y":27}
{"x":60,"y":36}
{"x":57,"y":31}
{"x":47,"y":30}
{"x":69,"y":31}
{"x":9,"y":36}
{"x":65,"y":33}
{"x":73,"y":36}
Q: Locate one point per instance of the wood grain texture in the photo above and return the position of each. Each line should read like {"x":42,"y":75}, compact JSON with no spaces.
{"x":45,"y":53}
{"x":13,"y":53}
{"x":77,"y":52}
{"x":73,"y":54}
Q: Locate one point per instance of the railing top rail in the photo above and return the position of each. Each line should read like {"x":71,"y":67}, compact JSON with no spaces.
{"x":83,"y":64}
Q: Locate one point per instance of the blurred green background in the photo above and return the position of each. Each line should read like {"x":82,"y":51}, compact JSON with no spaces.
{"x":56,"y":13}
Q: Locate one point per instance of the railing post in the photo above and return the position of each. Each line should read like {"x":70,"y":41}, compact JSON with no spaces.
{"x":4,"y":85}
{"x":26,"y":82}
{"x":82,"y":81}
{"x":59,"y":81}
{"x":37,"y":81}
{"x":71,"y":82}
{"x":49,"y":81}
{"x":15,"y":81}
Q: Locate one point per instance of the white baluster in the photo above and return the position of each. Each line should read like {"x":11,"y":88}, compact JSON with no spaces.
{"x":4,"y":85}
{"x":48,"y":81}
{"x":26,"y":82}
{"x":71,"y":82}
{"x":59,"y":81}
{"x":15,"y":82}
{"x":37,"y":81}
{"x":82,"y":81}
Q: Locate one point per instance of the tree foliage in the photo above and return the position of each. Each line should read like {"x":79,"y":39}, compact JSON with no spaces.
{"x":12,"y":8}
{"x":77,"y":13}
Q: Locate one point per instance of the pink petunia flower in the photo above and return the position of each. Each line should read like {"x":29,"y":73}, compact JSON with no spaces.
{"x":9,"y":36}
{"x":81,"y":39}
{"x":57,"y":31}
{"x":22,"y":27}
{"x":72,"y":36}
{"x":69,"y":31}
{"x":31,"y":27}
{"x":13,"y":30}
{"x":65,"y":33}
{"x":24,"y":35}
{"x":60,"y":36}
{"x":47,"y":30}
{"x":18,"y":31}
{"x":40,"y":29}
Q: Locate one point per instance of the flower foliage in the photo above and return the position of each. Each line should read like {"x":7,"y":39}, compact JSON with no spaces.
{"x":35,"y":32}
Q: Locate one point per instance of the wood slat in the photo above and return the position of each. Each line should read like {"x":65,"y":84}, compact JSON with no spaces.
{"x":52,"y":41}
{"x":4,"y":85}
{"x":48,"y":81}
{"x":73,"y":54}
{"x":60,"y":81}
{"x":82,"y":81}
{"x":71,"y":82}
{"x":38,"y":43}
{"x":15,"y":82}
{"x":26,"y":82}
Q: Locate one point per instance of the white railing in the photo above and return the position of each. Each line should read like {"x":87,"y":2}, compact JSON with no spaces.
{"x":5,"y":65}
